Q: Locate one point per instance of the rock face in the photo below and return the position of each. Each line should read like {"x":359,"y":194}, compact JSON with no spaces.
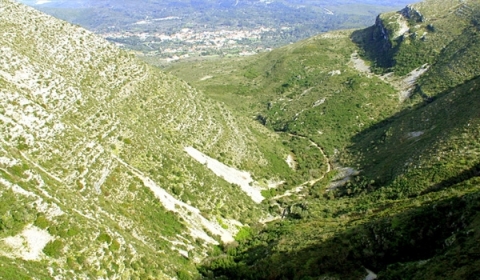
{"x":411,"y":13}
{"x":92,"y":156}
{"x":421,"y":33}
{"x":391,"y":26}
{"x":381,"y":28}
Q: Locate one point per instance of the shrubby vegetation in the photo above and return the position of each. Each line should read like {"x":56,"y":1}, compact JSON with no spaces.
{"x":397,"y":242}
{"x":87,"y":127}
{"x":386,"y":185}
{"x":14,"y":214}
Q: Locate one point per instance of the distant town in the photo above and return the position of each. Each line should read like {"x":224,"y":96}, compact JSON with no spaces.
{"x":190,"y":42}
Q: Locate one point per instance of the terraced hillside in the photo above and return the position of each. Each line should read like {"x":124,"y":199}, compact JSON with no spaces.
{"x":95,"y":175}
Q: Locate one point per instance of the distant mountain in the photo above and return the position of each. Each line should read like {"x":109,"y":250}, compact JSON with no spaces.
{"x":59,"y":3}
{"x":80,"y":3}
{"x":131,"y":9}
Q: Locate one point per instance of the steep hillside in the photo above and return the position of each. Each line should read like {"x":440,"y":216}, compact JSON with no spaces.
{"x":319,"y":89}
{"x":360,"y":147}
{"x":108,"y":167}
{"x":425,"y":136}
{"x":330,"y":90}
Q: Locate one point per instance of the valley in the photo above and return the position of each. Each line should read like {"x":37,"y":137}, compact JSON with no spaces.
{"x":351,"y":154}
{"x":337,"y":90}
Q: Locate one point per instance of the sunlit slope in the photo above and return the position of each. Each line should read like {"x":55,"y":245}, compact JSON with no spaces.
{"x":93,"y":163}
{"x":340,"y":88}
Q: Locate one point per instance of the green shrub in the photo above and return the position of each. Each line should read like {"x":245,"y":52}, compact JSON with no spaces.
{"x":115,"y":246}
{"x":54,"y":248}
{"x":183,"y":275}
{"x":41,"y":221}
{"x":104,"y":237}
{"x":243,"y":234}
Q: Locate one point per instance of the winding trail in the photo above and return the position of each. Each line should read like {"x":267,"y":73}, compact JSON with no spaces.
{"x":309,"y":182}
{"x":327,"y":160}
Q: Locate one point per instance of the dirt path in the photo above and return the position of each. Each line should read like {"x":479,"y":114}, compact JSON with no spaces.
{"x":327,"y":160}
{"x":309,"y":182}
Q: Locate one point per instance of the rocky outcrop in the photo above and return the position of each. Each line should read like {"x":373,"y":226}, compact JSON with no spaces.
{"x":380,"y":31}
{"x":410,"y":13}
